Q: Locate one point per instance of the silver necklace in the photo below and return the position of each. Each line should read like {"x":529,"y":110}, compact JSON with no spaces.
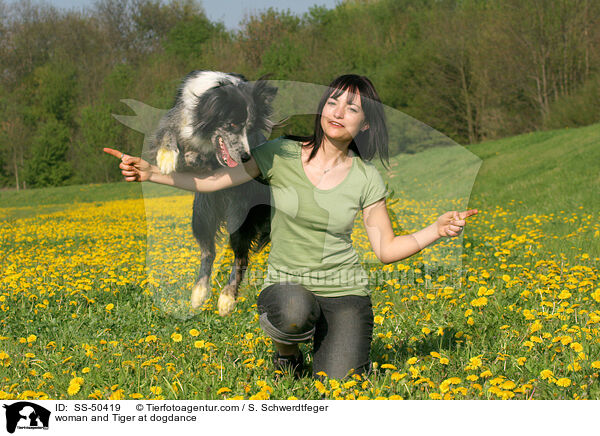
{"x":325,"y":170}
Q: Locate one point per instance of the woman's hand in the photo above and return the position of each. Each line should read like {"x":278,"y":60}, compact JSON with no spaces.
{"x":452,"y":223}
{"x":135,"y":169}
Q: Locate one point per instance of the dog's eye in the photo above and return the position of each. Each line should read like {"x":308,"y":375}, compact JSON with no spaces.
{"x":233,"y":126}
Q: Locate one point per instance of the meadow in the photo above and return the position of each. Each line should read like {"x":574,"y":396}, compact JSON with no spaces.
{"x":94,"y":285}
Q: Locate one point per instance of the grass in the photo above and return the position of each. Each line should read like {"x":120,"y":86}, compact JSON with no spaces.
{"x":515,"y":316}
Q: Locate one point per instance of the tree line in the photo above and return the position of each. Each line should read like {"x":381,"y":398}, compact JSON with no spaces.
{"x":471,"y":69}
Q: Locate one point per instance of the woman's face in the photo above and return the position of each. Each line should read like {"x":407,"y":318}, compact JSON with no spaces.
{"x":343,"y":117}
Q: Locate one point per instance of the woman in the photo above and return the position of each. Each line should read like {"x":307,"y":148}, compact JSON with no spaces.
{"x":315,"y":287}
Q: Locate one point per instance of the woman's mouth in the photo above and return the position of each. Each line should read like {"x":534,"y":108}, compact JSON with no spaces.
{"x":336,"y":124}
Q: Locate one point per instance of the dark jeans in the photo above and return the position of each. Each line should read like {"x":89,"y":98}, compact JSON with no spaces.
{"x":342,"y":327}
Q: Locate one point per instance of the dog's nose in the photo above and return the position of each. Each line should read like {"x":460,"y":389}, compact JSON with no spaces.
{"x":245,"y":157}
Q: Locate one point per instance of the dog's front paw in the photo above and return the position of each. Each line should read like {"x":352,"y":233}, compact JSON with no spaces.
{"x":200,"y":294}
{"x":226,"y":304}
{"x":166,"y":160}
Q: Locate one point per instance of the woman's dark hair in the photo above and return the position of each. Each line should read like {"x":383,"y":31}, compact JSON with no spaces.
{"x":365,"y":143}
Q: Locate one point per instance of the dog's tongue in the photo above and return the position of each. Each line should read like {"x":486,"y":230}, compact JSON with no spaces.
{"x":226,"y":157}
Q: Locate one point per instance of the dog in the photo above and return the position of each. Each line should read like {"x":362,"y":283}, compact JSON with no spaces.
{"x":216,"y":120}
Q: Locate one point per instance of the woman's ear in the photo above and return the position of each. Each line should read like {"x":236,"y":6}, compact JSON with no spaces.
{"x":364,"y":127}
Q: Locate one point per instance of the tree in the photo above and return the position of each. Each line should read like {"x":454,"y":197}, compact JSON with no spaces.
{"x":48,"y":162}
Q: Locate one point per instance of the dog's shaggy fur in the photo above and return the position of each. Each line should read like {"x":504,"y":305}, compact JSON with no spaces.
{"x":215,"y":121}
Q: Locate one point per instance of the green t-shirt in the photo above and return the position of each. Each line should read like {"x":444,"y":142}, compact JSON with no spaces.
{"x":311,"y":227}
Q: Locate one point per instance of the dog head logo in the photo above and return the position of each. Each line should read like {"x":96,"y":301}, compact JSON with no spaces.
{"x":24,"y":414}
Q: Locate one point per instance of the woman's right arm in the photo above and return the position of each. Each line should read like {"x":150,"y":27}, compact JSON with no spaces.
{"x":135,"y":169}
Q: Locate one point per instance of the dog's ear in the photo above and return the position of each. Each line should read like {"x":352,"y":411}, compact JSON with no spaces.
{"x":263,"y":91}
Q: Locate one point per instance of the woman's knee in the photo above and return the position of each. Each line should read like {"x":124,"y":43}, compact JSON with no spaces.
{"x":289,"y":307}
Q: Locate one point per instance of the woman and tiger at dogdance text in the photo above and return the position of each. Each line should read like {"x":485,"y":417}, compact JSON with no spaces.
{"x":315,"y":287}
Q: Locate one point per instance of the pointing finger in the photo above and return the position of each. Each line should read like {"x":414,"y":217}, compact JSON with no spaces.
{"x":468,"y":213}
{"x":112,"y":152}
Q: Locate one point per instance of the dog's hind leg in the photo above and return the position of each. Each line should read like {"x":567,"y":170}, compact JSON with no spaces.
{"x":201,"y":290}
{"x":240,"y":243}
{"x":204,"y":227}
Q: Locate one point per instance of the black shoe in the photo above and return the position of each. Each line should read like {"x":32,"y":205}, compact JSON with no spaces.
{"x":290,"y":364}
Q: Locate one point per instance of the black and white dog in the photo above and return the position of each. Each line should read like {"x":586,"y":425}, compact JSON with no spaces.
{"x":215,"y":121}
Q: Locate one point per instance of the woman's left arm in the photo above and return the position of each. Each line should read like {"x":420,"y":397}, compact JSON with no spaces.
{"x":391,"y":248}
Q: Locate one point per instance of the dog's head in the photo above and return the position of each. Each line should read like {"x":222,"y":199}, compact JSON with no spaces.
{"x":231,"y":115}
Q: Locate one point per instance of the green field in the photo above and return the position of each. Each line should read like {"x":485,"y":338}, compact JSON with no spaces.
{"x":517,"y":317}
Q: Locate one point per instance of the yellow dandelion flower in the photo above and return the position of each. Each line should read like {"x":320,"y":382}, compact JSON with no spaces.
{"x":444,"y":361}
{"x":564,"y":382}
{"x":136,"y":395}
{"x":199,"y":344}
{"x":412,"y":361}
{"x":546,"y":373}
{"x":176,"y":337}
{"x":564,"y":294}
{"x":351,"y":383}
{"x":292,"y":398}
{"x":262,"y":395}
{"x":536,"y":326}
{"x":566,"y":340}
{"x":378,"y":319}
{"x":521,"y":361}
{"x":334,"y":384}
{"x":31,"y":338}
{"x":397,"y":376}
{"x":320,"y":386}
{"x":194,"y":332}
{"x":577,"y":347}
{"x":425,"y":330}
{"x":223,"y":390}
{"x":479,"y":302}
{"x":474,"y":363}
{"x":116,"y":395}
{"x":73,"y":388}
{"x":388,"y":366}
{"x":395,"y":397}
{"x":508,"y":385}
{"x":435,"y":396}
{"x":596,"y":364}
{"x":3,"y":355}
{"x":156,"y":390}
{"x":109,"y":307}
